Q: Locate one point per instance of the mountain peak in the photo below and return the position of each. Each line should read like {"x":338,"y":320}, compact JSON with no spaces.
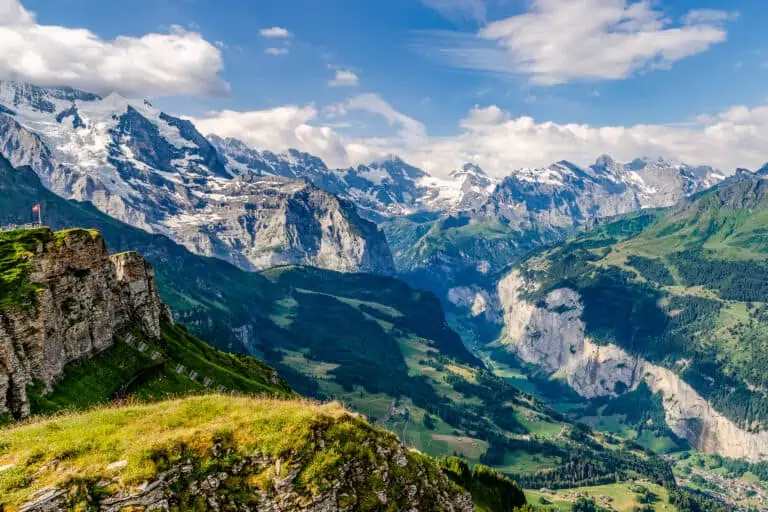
{"x":474,"y":168}
{"x":605,"y":161}
{"x":394,"y":164}
{"x":41,"y":98}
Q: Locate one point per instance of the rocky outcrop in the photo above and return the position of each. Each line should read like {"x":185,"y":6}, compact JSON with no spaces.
{"x":551,"y":334}
{"x":331,"y":461}
{"x":183,"y":485}
{"x":84,"y":299}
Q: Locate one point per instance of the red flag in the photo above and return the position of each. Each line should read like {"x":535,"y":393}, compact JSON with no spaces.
{"x":36,"y":208}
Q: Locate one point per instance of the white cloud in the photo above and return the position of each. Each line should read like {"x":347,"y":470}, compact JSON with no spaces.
{"x":344,"y":78}
{"x":278,"y":129}
{"x":499,"y":143}
{"x":179,"y":62}
{"x":697,"y":16}
{"x":409,"y":129}
{"x":557,"y":41}
{"x":453,"y":9}
{"x":276,"y":51}
{"x":495,"y":140}
{"x":275,"y":33}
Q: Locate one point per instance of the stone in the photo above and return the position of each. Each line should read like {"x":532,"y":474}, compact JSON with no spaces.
{"x":117,"y":465}
{"x":86,"y":300}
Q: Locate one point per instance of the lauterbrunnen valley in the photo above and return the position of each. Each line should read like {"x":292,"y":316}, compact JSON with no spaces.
{"x":384,"y":255}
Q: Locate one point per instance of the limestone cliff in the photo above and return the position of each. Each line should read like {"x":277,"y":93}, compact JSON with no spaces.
{"x":551,"y":334}
{"x":82,"y":300}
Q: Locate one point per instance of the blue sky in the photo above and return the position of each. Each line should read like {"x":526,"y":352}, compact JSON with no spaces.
{"x":411,"y":71}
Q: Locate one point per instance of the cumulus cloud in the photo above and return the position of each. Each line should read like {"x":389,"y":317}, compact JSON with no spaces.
{"x":278,"y":129}
{"x":344,"y":78}
{"x":500,"y":143}
{"x":557,"y":41}
{"x":179,"y":62}
{"x":494,"y":139}
{"x":275,"y":33}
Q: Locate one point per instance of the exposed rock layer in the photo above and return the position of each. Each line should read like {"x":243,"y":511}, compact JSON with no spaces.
{"x":554,"y":338}
{"x":85,"y":299}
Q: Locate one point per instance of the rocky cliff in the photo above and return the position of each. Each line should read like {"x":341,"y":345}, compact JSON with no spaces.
{"x":551,"y":334}
{"x":262,"y":222}
{"x":80,"y":299}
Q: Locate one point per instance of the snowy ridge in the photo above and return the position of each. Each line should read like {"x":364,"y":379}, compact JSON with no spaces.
{"x":157,"y":172}
{"x":384,"y":188}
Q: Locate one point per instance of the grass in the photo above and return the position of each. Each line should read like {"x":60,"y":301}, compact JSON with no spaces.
{"x":124,"y":370}
{"x":316,"y":440}
{"x":621,"y":497}
{"x":17,"y":248}
{"x":520,"y":462}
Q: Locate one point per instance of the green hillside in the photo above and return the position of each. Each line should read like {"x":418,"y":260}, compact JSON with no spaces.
{"x":689,"y":284}
{"x":140,"y":368}
{"x":372,"y":342}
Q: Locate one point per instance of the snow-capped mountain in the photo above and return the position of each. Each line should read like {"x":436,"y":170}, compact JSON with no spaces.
{"x":384,"y":188}
{"x":565,"y":195}
{"x":157,"y":172}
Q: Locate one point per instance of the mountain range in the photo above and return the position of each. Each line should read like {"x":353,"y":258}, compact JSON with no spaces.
{"x":563,"y":325}
{"x":222,"y":198}
{"x":378,"y":345}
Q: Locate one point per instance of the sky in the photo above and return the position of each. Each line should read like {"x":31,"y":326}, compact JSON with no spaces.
{"x":501,"y":83}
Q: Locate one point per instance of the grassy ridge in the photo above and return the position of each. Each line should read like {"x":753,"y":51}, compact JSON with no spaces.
{"x":317,"y":441}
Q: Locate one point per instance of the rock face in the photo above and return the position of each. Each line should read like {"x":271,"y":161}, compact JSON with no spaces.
{"x":157,"y":172}
{"x":553,"y":337}
{"x":262,"y":222}
{"x":565,"y":196}
{"x":384,"y":188}
{"x":85,"y":299}
{"x":182,"y":486}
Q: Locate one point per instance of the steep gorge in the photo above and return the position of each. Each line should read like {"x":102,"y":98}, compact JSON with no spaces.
{"x":552,"y":335}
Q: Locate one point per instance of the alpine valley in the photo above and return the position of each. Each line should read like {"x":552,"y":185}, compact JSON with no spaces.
{"x":222,"y":327}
